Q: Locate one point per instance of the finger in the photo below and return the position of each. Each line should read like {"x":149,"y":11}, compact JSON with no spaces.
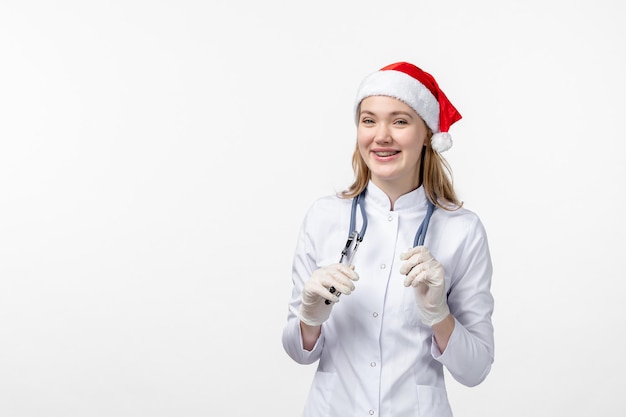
{"x":423,"y":276}
{"x":428,"y":259}
{"x":431,"y":277}
{"x":407,"y":267}
{"x":413,"y":276}
{"x":422,"y":265}
{"x":348,"y":271}
{"x":331,"y":277}
{"x":412,"y":251}
{"x":324,"y":291}
{"x":318,"y":288}
{"x":418,"y":258}
{"x":341,"y":282}
{"x":333,"y":295}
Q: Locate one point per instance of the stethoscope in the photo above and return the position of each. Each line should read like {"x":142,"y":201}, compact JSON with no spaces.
{"x":355,"y":238}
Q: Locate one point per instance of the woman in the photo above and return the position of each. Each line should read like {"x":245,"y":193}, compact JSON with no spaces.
{"x":384,"y":322}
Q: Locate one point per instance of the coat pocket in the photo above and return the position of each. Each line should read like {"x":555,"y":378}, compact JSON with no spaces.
{"x":433,"y":402}
{"x":320,"y":396}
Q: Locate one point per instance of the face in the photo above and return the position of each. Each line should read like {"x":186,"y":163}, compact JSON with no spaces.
{"x":391,"y":137}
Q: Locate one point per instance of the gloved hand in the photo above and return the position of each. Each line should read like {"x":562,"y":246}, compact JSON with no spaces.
{"x":313,"y":310}
{"x":426,"y":275}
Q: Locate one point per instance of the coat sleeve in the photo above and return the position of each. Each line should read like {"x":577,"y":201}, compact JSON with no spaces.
{"x":302,"y":268}
{"x":470,"y":350}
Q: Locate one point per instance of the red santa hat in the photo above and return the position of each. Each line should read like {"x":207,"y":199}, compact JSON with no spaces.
{"x":418,"y":89}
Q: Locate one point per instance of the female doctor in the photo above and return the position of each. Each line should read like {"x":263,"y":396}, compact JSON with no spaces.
{"x":384,"y":321}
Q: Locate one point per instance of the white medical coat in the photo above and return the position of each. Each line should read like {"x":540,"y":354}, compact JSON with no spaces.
{"x":375,"y":356}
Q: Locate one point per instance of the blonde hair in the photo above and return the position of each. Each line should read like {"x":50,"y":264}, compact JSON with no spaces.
{"x":435,"y":175}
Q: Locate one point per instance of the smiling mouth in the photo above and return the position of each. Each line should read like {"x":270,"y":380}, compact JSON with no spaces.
{"x":387,"y":153}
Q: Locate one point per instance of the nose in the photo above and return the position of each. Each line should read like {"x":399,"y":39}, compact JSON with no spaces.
{"x":383,"y":133}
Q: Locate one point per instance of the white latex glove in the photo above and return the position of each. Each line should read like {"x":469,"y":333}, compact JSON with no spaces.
{"x":313,"y":310}
{"x":426,"y":275}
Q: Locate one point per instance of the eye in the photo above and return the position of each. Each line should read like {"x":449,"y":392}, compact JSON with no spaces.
{"x":401,"y":122}
{"x":367,"y":120}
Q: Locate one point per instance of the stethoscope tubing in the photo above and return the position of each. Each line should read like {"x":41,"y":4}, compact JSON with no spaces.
{"x":420,"y":235}
{"x":357,"y":238}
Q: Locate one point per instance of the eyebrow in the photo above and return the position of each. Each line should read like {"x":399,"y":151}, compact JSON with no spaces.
{"x":394,"y":113}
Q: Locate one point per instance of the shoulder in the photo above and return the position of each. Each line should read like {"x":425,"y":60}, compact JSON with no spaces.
{"x":327,"y":203}
{"x":327,"y":209}
{"x":460,"y":214}
{"x":463,"y":220}
{"x":461,"y":240}
{"x":326,"y":220}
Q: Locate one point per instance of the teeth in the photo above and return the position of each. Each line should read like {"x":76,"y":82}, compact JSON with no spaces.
{"x":385,"y":153}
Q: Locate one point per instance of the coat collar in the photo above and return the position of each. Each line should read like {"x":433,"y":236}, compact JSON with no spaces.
{"x":409,"y":201}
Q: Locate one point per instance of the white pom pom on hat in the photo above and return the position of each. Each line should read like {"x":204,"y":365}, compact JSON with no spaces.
{"x":418,"y":89}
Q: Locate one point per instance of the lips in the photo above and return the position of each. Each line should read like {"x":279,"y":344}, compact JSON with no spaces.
{"x":383,"y":154}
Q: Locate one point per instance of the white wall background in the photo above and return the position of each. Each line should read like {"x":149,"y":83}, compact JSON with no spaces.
{"x":157,"y":157}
